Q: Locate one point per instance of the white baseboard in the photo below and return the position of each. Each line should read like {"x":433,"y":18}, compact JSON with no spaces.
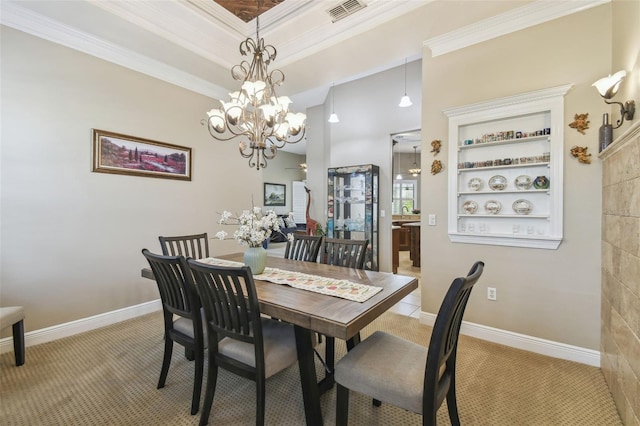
{"x":503,"y":337}
{"x":85,"y":324}
{"x":522,"y":341}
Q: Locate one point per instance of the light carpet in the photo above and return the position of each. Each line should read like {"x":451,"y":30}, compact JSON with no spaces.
{"x":108,"y":377}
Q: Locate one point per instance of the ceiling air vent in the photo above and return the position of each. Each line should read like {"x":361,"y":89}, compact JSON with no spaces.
{"x":345,"y":9}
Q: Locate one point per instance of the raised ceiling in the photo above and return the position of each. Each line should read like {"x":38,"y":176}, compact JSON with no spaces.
{"x":194,"y":43}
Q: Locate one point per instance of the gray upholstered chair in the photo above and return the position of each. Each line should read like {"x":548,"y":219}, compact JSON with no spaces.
{"x":195,"y":246}
{"x":241,"y":340}
{"x":388,"y":368}
{"x":14,"y":316}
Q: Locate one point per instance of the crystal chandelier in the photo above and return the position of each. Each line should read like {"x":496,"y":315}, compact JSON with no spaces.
{"x":255,"y":113}
{"x":415,"y":171}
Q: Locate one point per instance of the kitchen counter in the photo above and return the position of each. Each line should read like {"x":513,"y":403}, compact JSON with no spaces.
{"x":405,"y":218}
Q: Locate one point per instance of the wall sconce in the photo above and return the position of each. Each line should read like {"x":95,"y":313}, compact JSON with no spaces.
{"x":608,"y":87}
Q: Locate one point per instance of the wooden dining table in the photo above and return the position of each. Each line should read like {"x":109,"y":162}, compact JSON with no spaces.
{"x":331,"y":316}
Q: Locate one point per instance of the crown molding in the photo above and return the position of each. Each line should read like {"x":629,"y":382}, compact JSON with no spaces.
{"x":35,"y":24}
{"x":534,"y":13}
{"x":509,"y":101}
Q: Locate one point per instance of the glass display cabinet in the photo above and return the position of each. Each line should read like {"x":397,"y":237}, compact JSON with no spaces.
{"x":352,"y":211}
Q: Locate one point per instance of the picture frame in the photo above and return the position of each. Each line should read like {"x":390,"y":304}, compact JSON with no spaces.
{"x":275,"y":194}
{"x":117,"y":153}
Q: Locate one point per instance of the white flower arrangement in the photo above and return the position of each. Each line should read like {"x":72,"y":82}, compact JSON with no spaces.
{"x":254,"y":227}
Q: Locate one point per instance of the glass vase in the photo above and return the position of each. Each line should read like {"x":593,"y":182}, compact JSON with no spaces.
{"x":256,"y":259}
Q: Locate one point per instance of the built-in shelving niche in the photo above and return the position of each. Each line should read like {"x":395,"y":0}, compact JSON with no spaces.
{"x":520,"y":135}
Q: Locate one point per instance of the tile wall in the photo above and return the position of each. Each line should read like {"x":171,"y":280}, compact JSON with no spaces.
{"x":620,"y":339}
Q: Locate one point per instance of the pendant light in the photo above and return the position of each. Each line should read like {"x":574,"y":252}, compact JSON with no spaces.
{"x":405,"y":101}
{"x":415,"y":171}
{"x":333,"y":118}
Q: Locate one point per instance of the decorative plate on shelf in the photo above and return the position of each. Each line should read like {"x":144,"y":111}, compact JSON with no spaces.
{"x":541,"y":182}
{"x":470,"y":207}
{"x":475,"y":184}
{"x":522,"y":207}
{"x":498,"y":183}
{"x":523,"y":182}
{"x":492,"y":206}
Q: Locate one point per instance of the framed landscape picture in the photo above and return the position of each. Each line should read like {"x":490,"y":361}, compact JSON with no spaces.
{"x":129,"y":155}
{"x":275,"y":194}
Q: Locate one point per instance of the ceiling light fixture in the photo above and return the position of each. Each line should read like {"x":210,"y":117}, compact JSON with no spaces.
{"x":256,"y":113}
{"x":415,"y":171}
{"x":608,"y":87}
{"x":333,"y":118}
{"x":405,"y":101}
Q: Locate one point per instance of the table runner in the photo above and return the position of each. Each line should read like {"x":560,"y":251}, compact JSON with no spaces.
{"x":329,"y":286}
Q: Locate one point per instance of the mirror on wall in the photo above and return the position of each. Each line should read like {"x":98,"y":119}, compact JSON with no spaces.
{"x":407,"y":147}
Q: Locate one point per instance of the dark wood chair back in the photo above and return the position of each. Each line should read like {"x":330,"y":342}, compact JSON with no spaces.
{"x":195,"y":246}
{"x":230,"y":302}
{"x":440,"y":370}
{"x":179,"y":297}
{"x":303,"y":247}
{"x":341,"y":252}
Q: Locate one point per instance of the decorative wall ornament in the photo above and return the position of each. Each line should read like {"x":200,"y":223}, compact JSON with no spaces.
{"x":580,"y":123}
{"x":436,"y":144}
{"x":436,"y":167}
{"x":580,"y":152}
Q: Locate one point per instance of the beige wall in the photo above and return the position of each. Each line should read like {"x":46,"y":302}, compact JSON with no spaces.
{"x":71,"y":239}
{"x":549,"y":294}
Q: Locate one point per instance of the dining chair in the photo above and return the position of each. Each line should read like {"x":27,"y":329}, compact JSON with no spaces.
{"x":195,"y":246}
{"x":349,"y":254}
{"x":14,"y":316}
{"x":241,"y":340}
{"x":303,"y":247}
{"x":343,"y":252}
{"x":386,"y":367}
{"x":180,"y":301}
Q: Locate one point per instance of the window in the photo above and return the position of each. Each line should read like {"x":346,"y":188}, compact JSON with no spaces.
{"x":404,"y":196}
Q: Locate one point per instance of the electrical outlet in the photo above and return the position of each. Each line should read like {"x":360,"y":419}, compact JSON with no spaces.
{"x":432,"y":220}
{"x":491,"y":293}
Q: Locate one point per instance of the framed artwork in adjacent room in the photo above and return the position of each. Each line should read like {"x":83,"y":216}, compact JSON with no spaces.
{"x":275,"y":194}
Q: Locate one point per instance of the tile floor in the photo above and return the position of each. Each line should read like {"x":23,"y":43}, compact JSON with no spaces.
{"x":409,"y":306}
